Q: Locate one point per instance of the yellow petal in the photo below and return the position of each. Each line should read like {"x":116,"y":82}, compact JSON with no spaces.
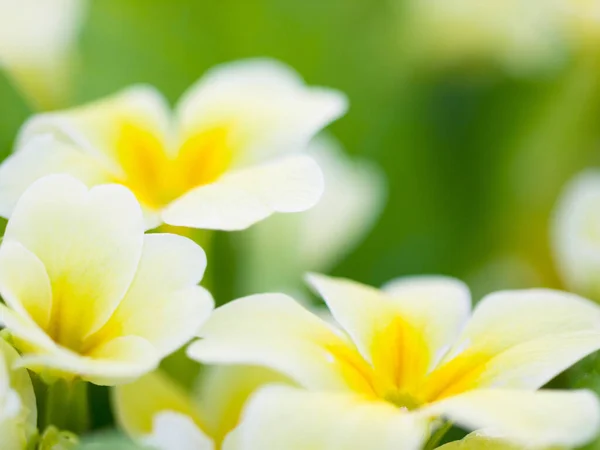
{"x":90,"y":243}
{"x":163,"y":304}
{"x":518,"y":339}
{"x":272,"y":330}
{"x":24,"y":283}
{"x":538,"y":419}
{"x":137,"y":404}
{"x":477,"y":441}
{"x":246,"y":196}
{"x":285,"y":418}
{"x":268,"y":107}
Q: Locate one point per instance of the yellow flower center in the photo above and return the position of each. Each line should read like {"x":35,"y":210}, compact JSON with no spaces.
{"x":156,"y":177}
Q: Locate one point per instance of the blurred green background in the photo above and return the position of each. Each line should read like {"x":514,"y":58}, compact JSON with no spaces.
{"x":475,"y":155}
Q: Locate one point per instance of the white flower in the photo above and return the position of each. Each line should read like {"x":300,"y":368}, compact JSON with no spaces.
{"x":87,"y":293}
{"x":229,"y":156}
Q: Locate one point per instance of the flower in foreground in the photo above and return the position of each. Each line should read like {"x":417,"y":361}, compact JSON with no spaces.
{"x":155,"y":411}
{"x":576,"y":235}
{"x":477,"y":441}
{"x":229,"y":156}
{"x":282,"y":248}
{"x":36,"y":42}
{"x":405,"y":358}
{"x":87,"y":293}
{"x":18,"y":411}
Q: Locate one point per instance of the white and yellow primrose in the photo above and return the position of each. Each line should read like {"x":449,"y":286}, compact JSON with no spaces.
{"x":576,"y":234}
{"x":18,"y":411}
{"x":405,"y":359}
{"x":87,"y":293}
{"x":157,"y":412}
{"x":229,"y":156}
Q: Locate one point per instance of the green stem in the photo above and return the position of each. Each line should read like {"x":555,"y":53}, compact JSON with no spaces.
{"x":436,"y":438}
{"x":66,"y":406}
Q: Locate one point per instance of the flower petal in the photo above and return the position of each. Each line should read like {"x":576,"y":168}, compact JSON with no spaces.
{"x":542,"y":418}
{"x":118,"y":361}
{"x":272,"y":330}
{"x":247,"y":196}
{"x":137,"y":404}
{"x":24,"y":283}
{"x":519,"y":339}
{"x":26,"y":331}
{"x":97,"y":127}
{"x":44,"y":155}
{"x":266,"y":105}
{"x":164,"y":305}
{"x":175,"y":431}
{"x":286,"y":418}
{"x":90,"y":243}
{"x":576,"y":234}
{"x":224,"y":390}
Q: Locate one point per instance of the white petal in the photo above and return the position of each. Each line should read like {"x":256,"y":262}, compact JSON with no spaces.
{"x":272,"y":330}
{"x":267,"y":105}
{"x":523,"y":339}
{"x":247,"y":196}
{"x":90,"y":243}
{"x":163,"y":304}
{"x":95,"y":128}
{"x":39,"y":156}
{"x":25,"y":329}
{"x":137,"y":404}
{"x":175,"y":431}
{"x":576,"y":234}
{"x":24,"y":283}
{"x":542,"y":418}
{"x":285,"y":418}
{"x":119,"y":361}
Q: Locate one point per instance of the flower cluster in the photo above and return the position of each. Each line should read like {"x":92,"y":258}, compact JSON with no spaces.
{"x":90,"y":297}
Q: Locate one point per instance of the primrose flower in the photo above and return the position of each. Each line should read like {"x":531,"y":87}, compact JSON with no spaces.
{"x":18,"y":411}
{"x":279,"y":250}
{"x":230,"y":155}
{"x":404,"y":358}
{"x":477,"y":441}
{"x":36,"y":42}
{"x":87,"y":293}
{"x":576,"y":234}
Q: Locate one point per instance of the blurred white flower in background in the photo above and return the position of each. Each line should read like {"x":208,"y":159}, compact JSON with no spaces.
{"x":37,"y":39}
{"x":279,"y":250}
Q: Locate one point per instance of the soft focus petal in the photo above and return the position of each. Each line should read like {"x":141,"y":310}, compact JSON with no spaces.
{"x":137,"y":404}
{"x":163,"y":303}
{"x":266,"y":105}
{"x":538,"y":419}
{"x":285,"y":418}
{"x":174,"y":431}
{"x":247,"y":196}
{"x":115,"y":362}
{"x":224,"y":390}
{"x":272,"y":330}
{"x":131,"y":118}
{"x":478,"y":441}
{"x":576,"y":234}
{"x":24,"y":283}
{"x":90,"y":244}
{"x":44,"y":155}
{"x":519,"y":339}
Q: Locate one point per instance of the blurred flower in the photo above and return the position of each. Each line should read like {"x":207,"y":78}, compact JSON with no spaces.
{"x":403,"y":363}
{"x":228,"y":157}
{"x":520,"y":36}
{"x":36,"y":40}
{"x":18,"y":411}
{"x":87,"y":293}
{"x":282,"y":248}
{"x":155,"y":411}
{"x":576,"y":235}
